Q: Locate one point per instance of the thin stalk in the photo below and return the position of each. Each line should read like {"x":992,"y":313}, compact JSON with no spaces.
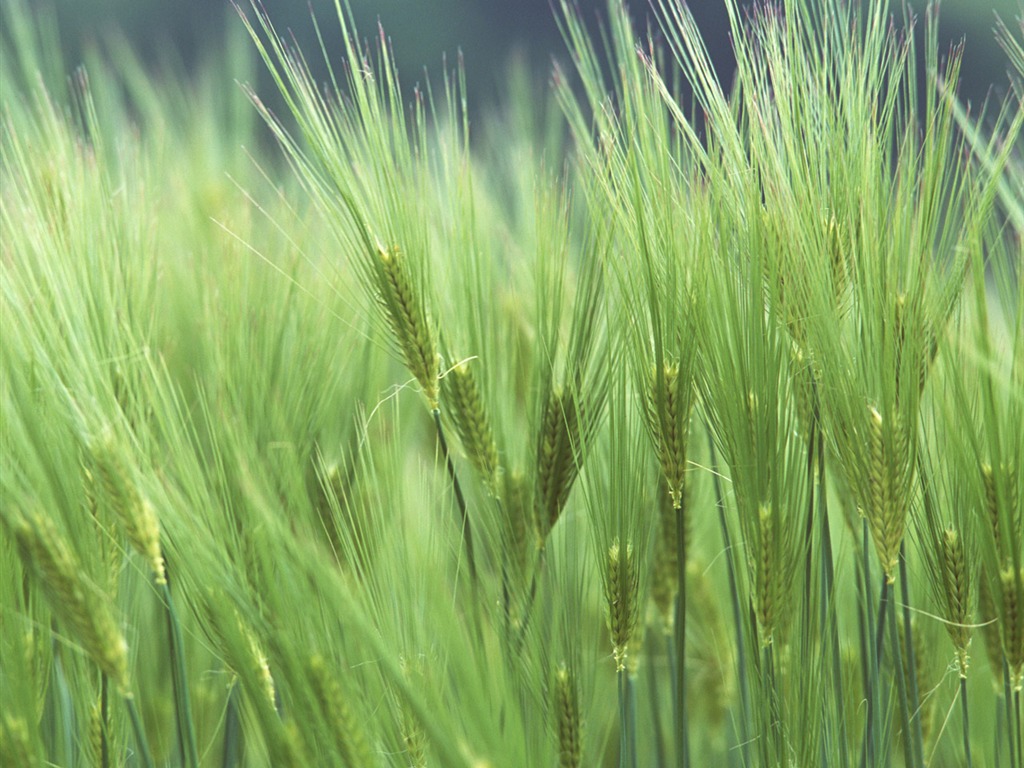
{"x":967,"y":728}
{"x":631,"y":703}
{"x":467,"y":531}
{"x":741,"y":654}
{"x":1019,"y":726}
{"x":141,"y":744}
{"x":901,"y":686}
{"x":871,"y":638}
{"x":232,"y":731}
{"x":1011,"y":730}
{"x":829,"y":617}
{"x":682,"y":736}
{"x":769,"y":682}
{"x":914,"y":699}
{"x":64,"y":704}
{"x":179,"y":680}
{"x":652,"y":690}
{"x":531,"y":598}
{"x":104,"y":717}
{"x":627,"y":742}
{"x":998,"y":730}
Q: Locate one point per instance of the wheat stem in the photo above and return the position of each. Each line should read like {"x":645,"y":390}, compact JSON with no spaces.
{"x":232,"y":730}
{"x":179,"y":680}
{"x":141,"y":744}
{"x":460,"y":500}
{"x":737,"y":614}
{"x":917,"y":738}
{"x":901,"y":685}
{"x":964,"y":711}
{"x":682,"y":736}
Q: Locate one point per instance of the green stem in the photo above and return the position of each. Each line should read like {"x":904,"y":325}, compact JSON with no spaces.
{"x":631,"y":700}
{"x":901,"y":686}
{"x":737,"y":615}
{"x":65,"y":707}
{"x":999,"y":730}
{"x":1019,"y":726}
{"x":967,"y":728}
{"x":682,"y":736}
{"x":829,"y":617}
{"x":914,"y":696}
{"x":141,"y":744}
{"x":771,"y":693}
{"x":104,"y":719}
{"x":179,"y":680}
{"x":1011,"y":731}
{"x":232,"y":730}
{"x":467,"y":530}
{"x":623,"y":724}
{"x":652,"y":690}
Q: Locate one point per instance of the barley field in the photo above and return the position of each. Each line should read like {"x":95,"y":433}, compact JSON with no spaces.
{"x":610,"y":428}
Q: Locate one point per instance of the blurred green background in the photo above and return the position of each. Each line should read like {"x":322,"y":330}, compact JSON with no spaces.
{"x":488,"y":33}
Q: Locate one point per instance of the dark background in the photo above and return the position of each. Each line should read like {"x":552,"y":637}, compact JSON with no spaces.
{"x":487,"y":32}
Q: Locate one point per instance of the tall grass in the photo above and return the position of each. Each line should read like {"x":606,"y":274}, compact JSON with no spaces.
{"x":610,"y":430}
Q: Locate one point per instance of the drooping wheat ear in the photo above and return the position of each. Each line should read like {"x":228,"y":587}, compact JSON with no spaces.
{"x":621,"y":592}
{"x":466,"y":407}
{"x":74,"y":600}
{"x":665,"y":569}
{"x":805,"y":379}
{"x":407,"y":315}
{"x":15,"y":746}
{"x":121,"y":496}
{"x":957,"y":589}
{"x":766,"y":578}
{"x":991,"y":634}
{"x":1012,"y":584}
{"x":556,"y":461}
{"x":888,"y":480}
{"x":347,"y":730}
{"x":516,"y":510}
{"x":668,"y":419}
{"x":569,"y":719}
